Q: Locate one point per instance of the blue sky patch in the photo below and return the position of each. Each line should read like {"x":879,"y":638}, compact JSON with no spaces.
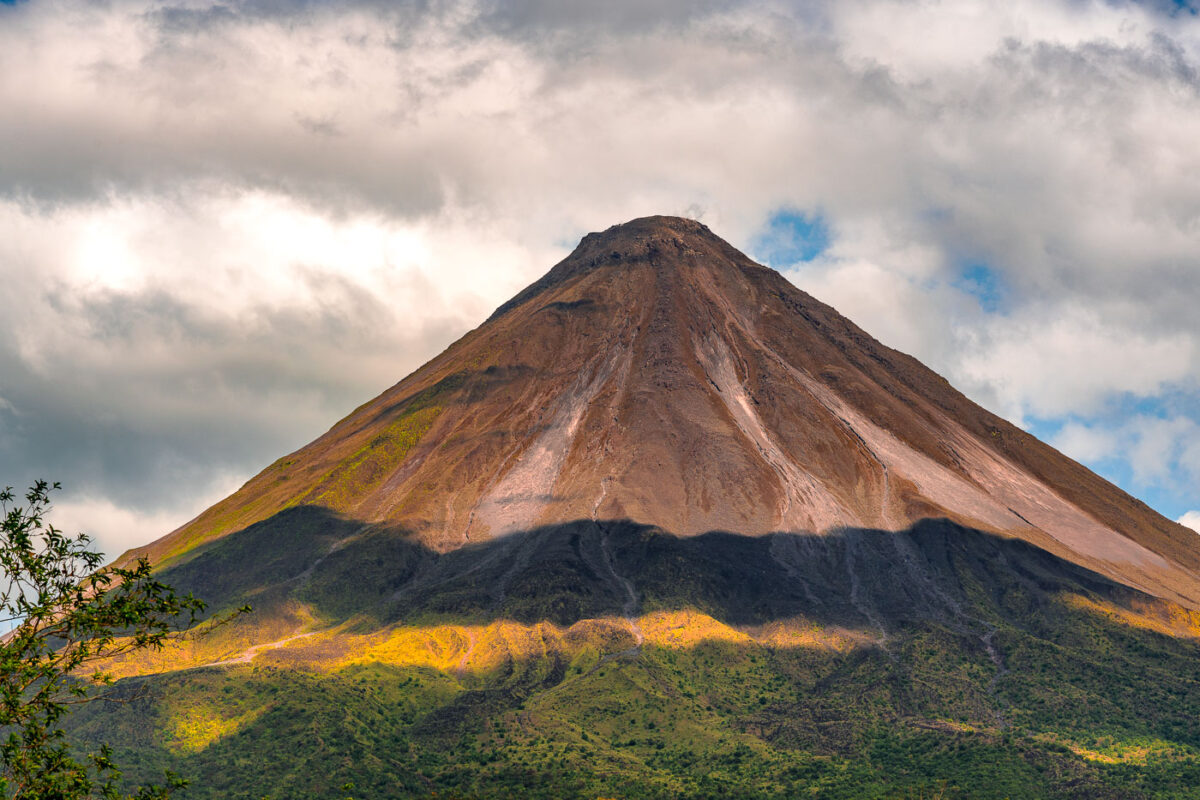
{"x":1171,"y":497}
{"x":791,"y":237}
{"x":984,"y":283}
{"x":1114,"y":468}
{"x":1189,"y":7}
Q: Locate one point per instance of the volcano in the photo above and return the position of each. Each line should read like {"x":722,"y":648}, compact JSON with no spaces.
{"x":658,"y":375}
{"x":665,"y":525}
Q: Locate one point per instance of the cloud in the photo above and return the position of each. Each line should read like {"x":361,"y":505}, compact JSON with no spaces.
{"x":1157,"y":452}
{"x":1052,"y":359}
{"x":154,"y":346}
{"x":1087,"y":444}
{"x":1158,"y":445}
{"x":115,"y":529}
{"x":790,"y":237}
{"x":224,"y":225}
{"x":1191,"y":519}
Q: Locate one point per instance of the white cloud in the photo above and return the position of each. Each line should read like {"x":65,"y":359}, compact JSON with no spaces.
{"x":235,"y":327}
{"x":1054,"y":359}
{"x":1160,"y":451}
{"x":1086,"y":444}
{"x":892,"y":306}
{"x":927,"y":40}
{"x":116,"y":528}
{"x":1158,"y":443}
{"x":224,"y":225}
{"x":1191,"y":519}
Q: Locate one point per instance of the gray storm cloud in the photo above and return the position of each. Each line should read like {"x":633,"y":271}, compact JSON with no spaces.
{"x":222,"y":226}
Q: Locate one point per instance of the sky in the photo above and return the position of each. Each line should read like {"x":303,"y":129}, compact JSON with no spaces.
{"x":223,"y":226}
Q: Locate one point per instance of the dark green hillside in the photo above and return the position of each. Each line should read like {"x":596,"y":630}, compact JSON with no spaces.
{"x":940,"y":662}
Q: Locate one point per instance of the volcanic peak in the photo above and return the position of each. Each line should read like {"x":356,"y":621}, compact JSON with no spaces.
{"x":646,"y":237}
{"x":667,"y":243}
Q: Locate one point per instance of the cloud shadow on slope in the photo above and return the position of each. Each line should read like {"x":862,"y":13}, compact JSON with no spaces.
{"x":935,"y":572}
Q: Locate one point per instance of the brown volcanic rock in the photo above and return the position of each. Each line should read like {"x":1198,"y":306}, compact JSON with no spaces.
{"x":658,"y":375}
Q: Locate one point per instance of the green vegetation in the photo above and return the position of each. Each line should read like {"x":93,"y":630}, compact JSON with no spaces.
{"x":64,"y":618}
{"x":718,"y":719}
{"x":373,"y":462}
{"x":967,"y":666}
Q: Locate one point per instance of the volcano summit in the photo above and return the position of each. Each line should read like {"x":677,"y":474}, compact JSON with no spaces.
{"x":665,"y":525}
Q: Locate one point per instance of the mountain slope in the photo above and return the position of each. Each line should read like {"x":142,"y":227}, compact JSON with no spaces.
{"x":660,"y":376}
{"x":666,"y":526}
{"x":937,"y":661}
